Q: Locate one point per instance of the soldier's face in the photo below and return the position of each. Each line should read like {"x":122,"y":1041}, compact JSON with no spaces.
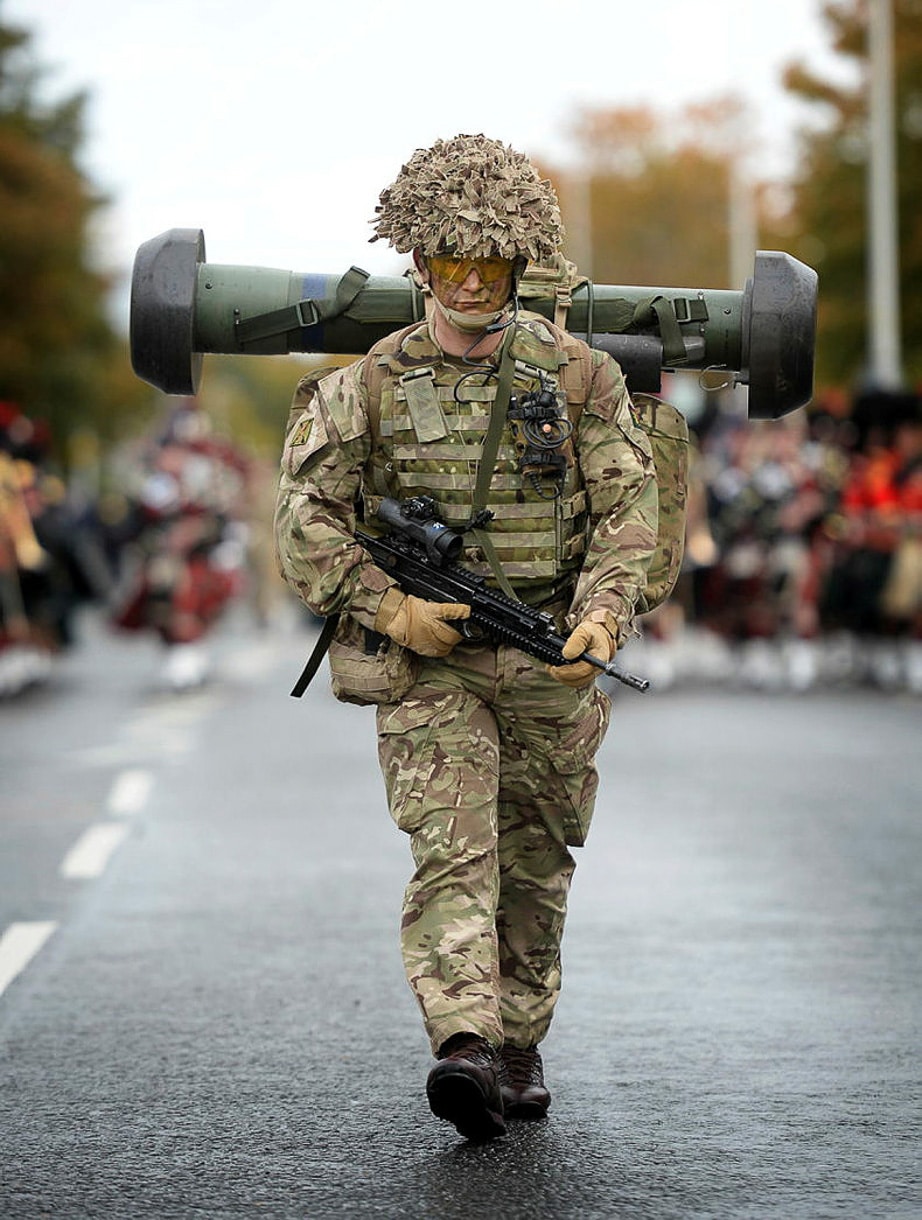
{"x":470,"y":285}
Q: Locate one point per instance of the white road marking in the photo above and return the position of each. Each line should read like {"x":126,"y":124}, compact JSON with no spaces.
{"x":129,"y":793}
{"x":157,"y":733}
{"x":91,"y":853}
{"x":18,"y":945}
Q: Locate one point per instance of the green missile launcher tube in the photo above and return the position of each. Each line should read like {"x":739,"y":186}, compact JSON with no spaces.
{"x":183,"y":307}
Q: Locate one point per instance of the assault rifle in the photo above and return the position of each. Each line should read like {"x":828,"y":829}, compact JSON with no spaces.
{"x":421,"y":553}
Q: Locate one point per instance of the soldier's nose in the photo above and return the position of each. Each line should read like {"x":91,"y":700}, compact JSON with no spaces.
{"x":472,"y":280}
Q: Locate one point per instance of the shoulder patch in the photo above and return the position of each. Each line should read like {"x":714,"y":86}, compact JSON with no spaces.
{"x":302,"y":432}
{"x":307,"y":435}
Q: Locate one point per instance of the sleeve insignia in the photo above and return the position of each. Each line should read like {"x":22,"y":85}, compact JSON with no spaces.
{"x":302,"y":432}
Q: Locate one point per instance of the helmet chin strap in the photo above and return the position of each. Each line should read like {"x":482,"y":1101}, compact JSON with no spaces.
{"x":505,"y":319}
{"x":470,"y":323}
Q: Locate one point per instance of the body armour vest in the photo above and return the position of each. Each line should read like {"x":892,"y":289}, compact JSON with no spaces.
{"x":429,"y":416}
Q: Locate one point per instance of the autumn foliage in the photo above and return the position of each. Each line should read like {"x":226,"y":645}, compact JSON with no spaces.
{"x":650,"y":197}
{"x":60,"y":358}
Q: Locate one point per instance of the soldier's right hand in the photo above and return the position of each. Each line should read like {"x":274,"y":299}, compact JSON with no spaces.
{"x":419,"y":625}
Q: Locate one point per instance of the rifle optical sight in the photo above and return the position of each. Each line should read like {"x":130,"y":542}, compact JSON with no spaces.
{"x":415,"y":519}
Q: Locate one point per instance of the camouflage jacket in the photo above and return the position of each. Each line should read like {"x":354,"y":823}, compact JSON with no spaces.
{"x":330,"y":453}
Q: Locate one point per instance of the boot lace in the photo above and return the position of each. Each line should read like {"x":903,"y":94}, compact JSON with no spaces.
{"x":523,"y":1067}
{"x":471,"y":1047}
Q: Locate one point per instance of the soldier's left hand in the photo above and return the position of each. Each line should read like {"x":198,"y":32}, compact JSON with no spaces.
{"x":588,"y":637}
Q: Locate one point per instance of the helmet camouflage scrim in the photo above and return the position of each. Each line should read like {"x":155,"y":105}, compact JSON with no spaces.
{"x":470,"y":196}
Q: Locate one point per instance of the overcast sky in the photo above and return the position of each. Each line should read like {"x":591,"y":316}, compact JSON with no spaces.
{"x":273,"y":125}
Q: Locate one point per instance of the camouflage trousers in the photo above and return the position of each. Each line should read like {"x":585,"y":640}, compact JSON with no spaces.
{"x":488,"y":765}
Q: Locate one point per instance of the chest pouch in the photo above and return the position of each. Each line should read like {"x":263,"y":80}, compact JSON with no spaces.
{"x":540,"y":432}
{"x":423,"y":404}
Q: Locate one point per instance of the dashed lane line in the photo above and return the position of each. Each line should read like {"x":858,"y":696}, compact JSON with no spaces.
{"x":86,"y":859}
{"x":19,"y":944}
{"x":93,"y":850}
{"x":158,"y":733}
{"x":129,"y":793}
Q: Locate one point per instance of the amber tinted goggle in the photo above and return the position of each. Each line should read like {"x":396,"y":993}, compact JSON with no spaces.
{"x":456,"y":270}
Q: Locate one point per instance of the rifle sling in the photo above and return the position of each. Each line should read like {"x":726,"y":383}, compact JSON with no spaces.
{"x":488,"y":461}
{"x":313,"y":661}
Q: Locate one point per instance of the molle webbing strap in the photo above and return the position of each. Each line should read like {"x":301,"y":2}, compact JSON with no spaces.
{"x":304,"y":313}
{"x":423,"y":404}
{"x":375,"y":370}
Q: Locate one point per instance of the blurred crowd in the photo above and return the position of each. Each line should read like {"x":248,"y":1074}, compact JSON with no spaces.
{"x":803,"y":560}
{"x":183,"y":530}
{"x":804,"y":550}
{"x":45,"y":569}
{"x":182,"y":544}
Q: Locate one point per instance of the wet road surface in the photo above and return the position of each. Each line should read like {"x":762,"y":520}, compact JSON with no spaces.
{"x":213,"y":1019}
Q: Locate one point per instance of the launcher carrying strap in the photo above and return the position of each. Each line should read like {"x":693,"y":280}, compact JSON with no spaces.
{"x":561,"y":280}
{"x":307,"y":312}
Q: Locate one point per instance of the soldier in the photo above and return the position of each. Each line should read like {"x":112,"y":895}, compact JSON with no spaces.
{"x":487,"y":755}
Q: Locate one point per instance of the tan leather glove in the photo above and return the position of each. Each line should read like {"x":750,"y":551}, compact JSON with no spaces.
{"x":420,"y":625}
{"x":588,"y":637}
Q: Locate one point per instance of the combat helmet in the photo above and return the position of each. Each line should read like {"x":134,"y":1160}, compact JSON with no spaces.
{"x":470,"y":196}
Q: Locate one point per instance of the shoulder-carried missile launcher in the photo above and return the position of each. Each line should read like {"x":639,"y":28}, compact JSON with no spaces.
{"x":182,"y":307}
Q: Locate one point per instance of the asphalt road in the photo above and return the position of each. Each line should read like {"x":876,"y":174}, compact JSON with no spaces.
{"x":204,"y":1013}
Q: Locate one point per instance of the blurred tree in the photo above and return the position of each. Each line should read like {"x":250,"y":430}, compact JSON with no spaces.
{"x":826,"y":222}
{"x":248,"y":396}
{"x":245,"y":397}
{"x":60,"y":358}
{"x":649,"y":199}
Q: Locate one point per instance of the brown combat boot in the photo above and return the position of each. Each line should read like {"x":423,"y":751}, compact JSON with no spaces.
{"x":521,"y":1078}
{"x":463,"y":1087}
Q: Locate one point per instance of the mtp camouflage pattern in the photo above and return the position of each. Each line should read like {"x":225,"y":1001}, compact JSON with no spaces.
{"x":335,"y":455}
{"x":488,"y":762}
{"x":470,"y":196}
